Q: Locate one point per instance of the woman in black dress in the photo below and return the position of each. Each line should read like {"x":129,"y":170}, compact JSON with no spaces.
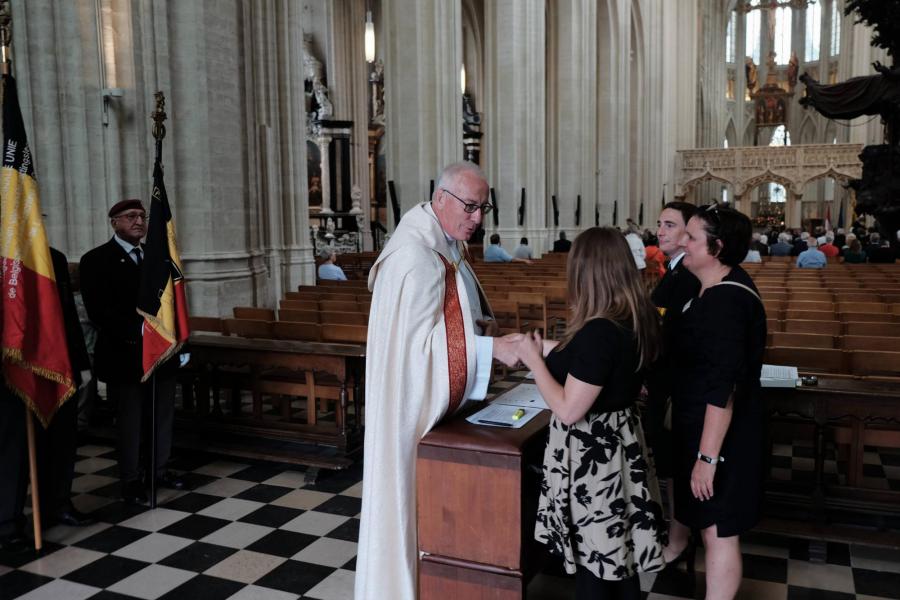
{"x":600,"y":507}
{"x":717,"y":414}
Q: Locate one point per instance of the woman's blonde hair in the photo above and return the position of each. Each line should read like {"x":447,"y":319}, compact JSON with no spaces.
{"x":604,"y":283}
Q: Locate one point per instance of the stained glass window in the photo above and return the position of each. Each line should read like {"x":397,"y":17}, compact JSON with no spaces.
{"x":813,"y":31}
{"x":782,"y":40}
{"x":752,"y":28}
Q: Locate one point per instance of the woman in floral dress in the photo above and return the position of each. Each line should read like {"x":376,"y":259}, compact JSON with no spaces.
{"x":600,"y":506}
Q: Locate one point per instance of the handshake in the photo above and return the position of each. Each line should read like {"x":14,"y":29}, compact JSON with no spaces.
{"x":515,"y":348}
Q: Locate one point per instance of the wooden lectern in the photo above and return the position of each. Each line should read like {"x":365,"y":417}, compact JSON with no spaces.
{"x":477,"y":500}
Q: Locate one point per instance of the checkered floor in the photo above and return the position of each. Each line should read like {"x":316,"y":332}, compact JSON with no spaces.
{"x":259,"y":531}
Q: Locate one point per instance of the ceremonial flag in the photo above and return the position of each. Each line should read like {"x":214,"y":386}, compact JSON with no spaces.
{"x":840,"y":222}
{"x":161,"y":299}
{"x":35,"y":356}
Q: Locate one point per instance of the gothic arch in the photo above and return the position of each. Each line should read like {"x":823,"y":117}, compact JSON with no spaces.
{"x":731,"y":133}
{"x":689,"y":186}
{"x":768,"y":177}
{"x":808,"y":131}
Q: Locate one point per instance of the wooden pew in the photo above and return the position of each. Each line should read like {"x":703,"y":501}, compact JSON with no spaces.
{"x":249,"y":312}
{"x":808,"y":360}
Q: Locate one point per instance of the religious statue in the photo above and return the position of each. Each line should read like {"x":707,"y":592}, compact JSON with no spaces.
{"x":325,"y":109}
{"x":771,"y":69}
{"x":792,"y":70}
{"x":750,"y":74}
{"x":471,"y":119}
{"x":329,"y":229}
{"x":376,"y":79}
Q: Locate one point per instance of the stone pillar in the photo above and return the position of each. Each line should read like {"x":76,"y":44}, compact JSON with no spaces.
{"x":711,"y":108}
{"x":571,"y":116}
{"x":514,"y":155}
{"x":793,"y":210}
{"x":423,"y":115}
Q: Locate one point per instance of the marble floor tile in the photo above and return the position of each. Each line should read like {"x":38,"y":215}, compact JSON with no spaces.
{"x":225,"y":487}
{"x":337,"y":586}
{"x":314,"y":523}
{"x":289,"y":479}
{"x":303,"y":499}
{"x":245,"y":566}
{"x":156,"y":519}
{"x":231,"y":509}
{"x":60,"y":589}
{"x":221,"y":468}
{"x":237,"y":535}
{"x":153,"y":548}
{"x":62,"y":562}
{"x":255,"y":592}
{"x":152,"y":582}
{"x":820,"y":576}
{"x":328,"y":552}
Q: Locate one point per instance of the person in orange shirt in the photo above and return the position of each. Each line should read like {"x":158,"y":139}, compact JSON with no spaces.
{"x":828,"y":248}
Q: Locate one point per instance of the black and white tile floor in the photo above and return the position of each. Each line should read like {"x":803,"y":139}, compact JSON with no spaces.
{"x":256,"y":531}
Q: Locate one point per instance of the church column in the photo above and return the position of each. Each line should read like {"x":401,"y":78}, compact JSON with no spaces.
{"x":423,"y":106}
{"x":793,"y":210}
{"x":515,"y":115}
{"x":347,"y":73}
{"x":712,"y":83}
{"x":571,"y":116}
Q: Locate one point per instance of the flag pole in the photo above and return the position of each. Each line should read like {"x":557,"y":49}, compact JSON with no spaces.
{"x":32,"y":471}
{"x":6,"y":69}
{"x":159,"y":132}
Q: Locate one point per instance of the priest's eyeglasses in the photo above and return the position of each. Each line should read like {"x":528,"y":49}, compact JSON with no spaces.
{"x":132,"y":217}
{"x":471,"y":207}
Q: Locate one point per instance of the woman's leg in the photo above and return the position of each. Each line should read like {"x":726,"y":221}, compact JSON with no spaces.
{"x":679,"y":535}
{"x":590,"y":587}
{"x":723,"y":565}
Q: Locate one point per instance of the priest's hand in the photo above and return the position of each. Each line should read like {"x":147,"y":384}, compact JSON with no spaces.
{"x":489,"y":327}
{"x":505,"y":349}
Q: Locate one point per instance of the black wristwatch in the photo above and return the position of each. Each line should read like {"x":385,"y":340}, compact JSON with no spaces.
{"x":710,"y":459}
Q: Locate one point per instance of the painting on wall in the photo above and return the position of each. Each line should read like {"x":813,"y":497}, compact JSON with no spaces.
{"x":314,"y":174}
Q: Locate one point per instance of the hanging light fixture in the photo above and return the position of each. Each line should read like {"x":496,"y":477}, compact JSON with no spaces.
{"x":370,"y":38}
{"x":462,"y":79}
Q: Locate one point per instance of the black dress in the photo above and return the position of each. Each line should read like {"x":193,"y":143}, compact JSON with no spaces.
{"x":600,"y":505}
{"x":719,"y":354}
{"x":674,"y":290}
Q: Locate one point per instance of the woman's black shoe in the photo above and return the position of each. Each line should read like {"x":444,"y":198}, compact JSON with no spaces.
{"x":687,"y":555}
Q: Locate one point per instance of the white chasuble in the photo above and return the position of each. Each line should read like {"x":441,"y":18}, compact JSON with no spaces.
{"x":420,"y":366}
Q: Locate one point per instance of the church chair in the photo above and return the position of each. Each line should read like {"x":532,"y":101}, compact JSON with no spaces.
{"x":211,"y":324}
{"x":342,"y":306}
{"x":875,"y":363}
{"x":842,"y":297}
{"x":807,"y":305}
{"x":808,"y":360}
{"x":870,"y":342}
{"x":249,"y":328}
{"x":866,"y":317}
{"x":872,"y":328}
{"x":303,"y":316}
{"x":809,"y":315}
{"x":532,"y":311}
{"x":812,"y":297}
{"x":355,"y":334}
{"x":506,"y":313}
{"x":829,"y":327}
{"x":863,"y":307}
{"x":801,"y":340}
{"x":332,"y":317}
{"x":249,"y":312}
{"x":773,"y":324}
{"x":295,"y":330}
{"x":312,"y":305}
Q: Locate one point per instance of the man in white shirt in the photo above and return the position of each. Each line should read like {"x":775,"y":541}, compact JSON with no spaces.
{"x":429,"y":350}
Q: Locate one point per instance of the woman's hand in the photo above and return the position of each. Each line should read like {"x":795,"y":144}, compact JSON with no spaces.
{"x":702,"y":480}
{"x":530,"y":349}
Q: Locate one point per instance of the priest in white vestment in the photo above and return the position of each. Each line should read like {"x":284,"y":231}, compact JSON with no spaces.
{"x":429,"y":350}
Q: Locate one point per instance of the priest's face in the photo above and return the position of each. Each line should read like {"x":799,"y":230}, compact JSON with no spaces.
{"x":458,"y":206}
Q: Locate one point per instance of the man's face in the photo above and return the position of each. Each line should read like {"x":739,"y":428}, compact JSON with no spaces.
{"x":670,"y":231}
{"x":450,"y":205}
{"x":130,"y":225}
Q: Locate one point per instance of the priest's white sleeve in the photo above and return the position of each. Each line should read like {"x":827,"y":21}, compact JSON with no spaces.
{"x":484,"y":356}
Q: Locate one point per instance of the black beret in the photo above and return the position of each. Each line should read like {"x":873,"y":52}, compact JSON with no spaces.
{"x":123,"y":205}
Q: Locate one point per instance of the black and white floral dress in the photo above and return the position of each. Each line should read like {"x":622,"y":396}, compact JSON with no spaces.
{"x":600,"y":504}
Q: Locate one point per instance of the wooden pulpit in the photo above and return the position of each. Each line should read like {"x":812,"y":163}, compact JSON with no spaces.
{"x":477,"y":491}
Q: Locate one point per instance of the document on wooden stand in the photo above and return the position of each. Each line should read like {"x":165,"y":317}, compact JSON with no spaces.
{"x":513,"y":408}
{"x":779,"y":376}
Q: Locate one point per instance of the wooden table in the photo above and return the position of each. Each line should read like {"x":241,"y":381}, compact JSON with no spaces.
{"x":342,"y":364}
{"x":477,"y":500}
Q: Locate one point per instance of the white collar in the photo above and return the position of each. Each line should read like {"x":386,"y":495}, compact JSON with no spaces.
{"x":673,"y":262}
{"x":126,"y":246}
